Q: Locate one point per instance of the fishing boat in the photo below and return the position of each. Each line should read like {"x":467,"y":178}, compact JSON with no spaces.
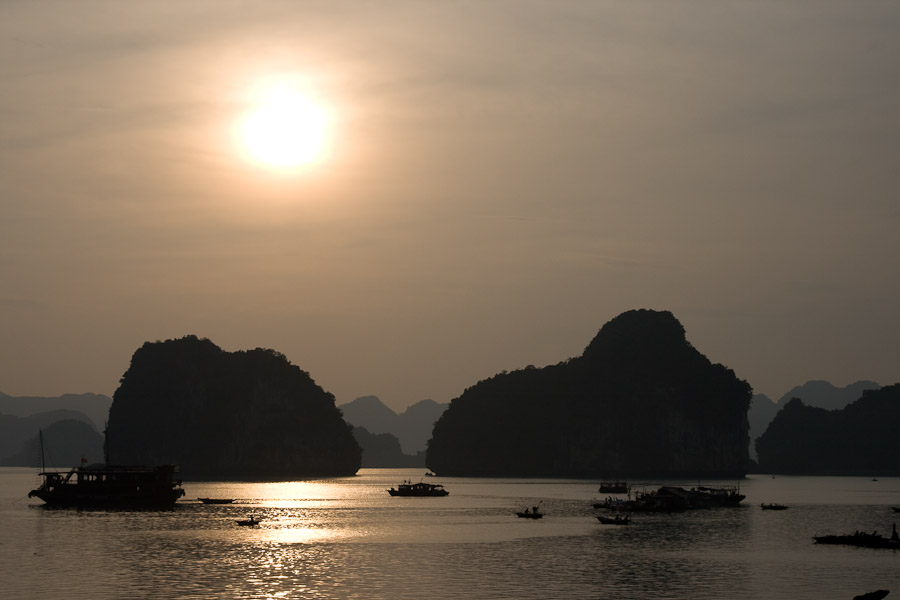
{"x":617,"y":520}
{"x":773,"y":506}
{"x":862,"y":540}
{"x":216,"y":500}
{"x":110,"y":485}
{"x":407,"y":488}
{"x":531,"y":513}
{"x":251,"y":522}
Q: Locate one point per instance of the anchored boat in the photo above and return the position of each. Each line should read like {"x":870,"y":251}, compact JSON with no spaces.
{"x":109,"y":485}
{"x":407,"y":488}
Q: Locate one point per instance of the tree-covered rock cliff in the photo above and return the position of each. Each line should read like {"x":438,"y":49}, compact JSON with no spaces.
{"x":640,"y":401}
{"x":231,"y":415}
{"x":860,"y":439}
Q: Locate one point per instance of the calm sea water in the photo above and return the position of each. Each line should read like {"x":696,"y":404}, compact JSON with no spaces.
{"x":347,"y":538}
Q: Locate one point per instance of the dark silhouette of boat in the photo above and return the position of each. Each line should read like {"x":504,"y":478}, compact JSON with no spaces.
{"x":896,"y":509}
{"x":617,"y":520}
{"x":773,"y":506}
{"x":109,"y":485}
{"x":103,"y":484}
{"x":531,"y":513}
{"x":251,"y":522}
{"x":216,"y":500}
{"x":675,"y":499}
{"x":407,"y":488}
{"x":862,"y":540}
{"x":614,"y":487}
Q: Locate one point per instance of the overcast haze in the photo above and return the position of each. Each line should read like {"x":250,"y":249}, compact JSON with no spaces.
{"x":502,"y":179}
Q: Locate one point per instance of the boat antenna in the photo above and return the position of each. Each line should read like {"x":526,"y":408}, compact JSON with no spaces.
{"x":41,"y":440}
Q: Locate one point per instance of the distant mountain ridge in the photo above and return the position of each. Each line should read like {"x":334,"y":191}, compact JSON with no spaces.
{"x":859,"y":439}
{"x":95,"y":406}
{"x":16,"y":431}
{"x":815,"y":393}
{"x":66,"y":443}
{"x":412,"y":427}
{"x":382,"y":450}
{"x":823,"y":394}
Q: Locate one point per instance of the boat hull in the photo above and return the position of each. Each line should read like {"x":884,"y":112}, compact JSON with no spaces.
{"x":76,"y":498}
{"x":418,"y":494}
{"x":110,"y":486}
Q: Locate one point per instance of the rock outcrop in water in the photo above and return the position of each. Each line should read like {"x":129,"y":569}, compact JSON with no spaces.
{"x":230,"y":415}
{"x":860,"y":439}
{"x":640,"y":401}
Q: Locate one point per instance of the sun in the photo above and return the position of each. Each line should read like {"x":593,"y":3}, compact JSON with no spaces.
{"x":287,"y":128}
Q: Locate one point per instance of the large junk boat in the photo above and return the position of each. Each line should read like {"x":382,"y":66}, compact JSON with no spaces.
{"x":673,"y":499}
{"x":407,"y":488}
{"x":108,"y":485}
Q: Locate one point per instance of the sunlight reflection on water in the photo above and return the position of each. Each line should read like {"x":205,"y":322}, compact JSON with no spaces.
{"x":347,"y":538}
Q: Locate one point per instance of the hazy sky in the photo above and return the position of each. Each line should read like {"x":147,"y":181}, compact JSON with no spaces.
{"x":500,"y":180}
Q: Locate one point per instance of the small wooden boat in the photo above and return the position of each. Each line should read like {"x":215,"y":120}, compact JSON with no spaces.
{"x":251,"y":522}
{"x":216,"y":500}
{"x":773,"y":506}
{"x":530,"y":514}
{"x":617,"y":520}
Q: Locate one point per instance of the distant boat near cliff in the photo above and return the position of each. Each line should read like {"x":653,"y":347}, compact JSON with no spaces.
{"x":407,"y":488}
{"x":675,"y":499}
{"x":613,"y":487}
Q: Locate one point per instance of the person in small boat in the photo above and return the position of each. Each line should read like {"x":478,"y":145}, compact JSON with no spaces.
{"x":527,"y":511}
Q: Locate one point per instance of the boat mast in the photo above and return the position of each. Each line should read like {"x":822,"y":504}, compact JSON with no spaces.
{"x":106,"y":442}
{"x":41,"y":439}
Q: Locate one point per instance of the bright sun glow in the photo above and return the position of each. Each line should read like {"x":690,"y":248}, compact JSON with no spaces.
{"x":286,"y":129}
